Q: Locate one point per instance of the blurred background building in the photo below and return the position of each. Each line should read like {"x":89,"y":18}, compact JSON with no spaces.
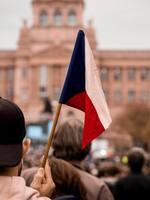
{"x":33,"y":74}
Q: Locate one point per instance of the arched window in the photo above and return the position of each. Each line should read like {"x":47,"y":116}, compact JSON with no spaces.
{"x":43,"y":18}
{"x":58,"y":18}
{"x":71,"y":18}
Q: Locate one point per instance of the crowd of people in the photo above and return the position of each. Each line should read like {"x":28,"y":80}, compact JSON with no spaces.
{"x":107,"y":171}
{"x":67,"y":174}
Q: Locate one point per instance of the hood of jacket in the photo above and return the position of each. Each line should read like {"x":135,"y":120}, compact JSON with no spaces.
{"x":14,"y":188}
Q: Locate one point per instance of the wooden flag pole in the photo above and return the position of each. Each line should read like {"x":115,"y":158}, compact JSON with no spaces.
{"x":44,"y":158}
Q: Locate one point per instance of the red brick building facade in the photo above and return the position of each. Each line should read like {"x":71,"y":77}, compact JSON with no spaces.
{"x":37,"y":68}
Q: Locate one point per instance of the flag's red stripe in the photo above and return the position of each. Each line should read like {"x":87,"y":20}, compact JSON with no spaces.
{"x":93,"y":127}
{"x":77,"y":101}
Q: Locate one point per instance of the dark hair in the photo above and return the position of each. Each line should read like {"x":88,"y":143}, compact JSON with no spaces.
{"x":67,"y":180}
{"x":109,"y":169}
{"x":67,"y":141}
{"x":136,"y":159}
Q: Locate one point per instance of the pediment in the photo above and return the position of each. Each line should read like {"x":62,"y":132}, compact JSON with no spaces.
{"x":53,"y":51}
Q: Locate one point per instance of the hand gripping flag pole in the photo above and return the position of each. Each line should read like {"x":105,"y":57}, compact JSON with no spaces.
{"x":82,"y":90}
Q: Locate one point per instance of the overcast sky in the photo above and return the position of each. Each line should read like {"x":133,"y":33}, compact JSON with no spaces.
{"x":119,"y":24}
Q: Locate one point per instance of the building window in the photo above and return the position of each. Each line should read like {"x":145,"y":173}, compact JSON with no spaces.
{"x":144,"y":74}
{"x":43,"y":18}
{"x":106,"y":93}
{"x":104,"y":74}
{"x":24,"y":94}
{"x":0,"y":74}
{"x":57,"y":91}
{"x":10,"y":74}
{"x":10,"y":94}
{"x":144,"y":96}
{"x":131,"y":74}
{"x":131,"y":96}
{"x":43,"y":80}
{"x":118,"y":96}
{"x":24,"y":72}
{"x":57,"y":18}
{"x":117,"y":74}
{"x":72,"y":18}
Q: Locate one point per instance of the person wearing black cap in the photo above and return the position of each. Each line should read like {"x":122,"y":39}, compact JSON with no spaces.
{"x":13,"y":147}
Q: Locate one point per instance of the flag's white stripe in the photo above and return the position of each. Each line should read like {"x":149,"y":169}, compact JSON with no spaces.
{"x":94,"y":88}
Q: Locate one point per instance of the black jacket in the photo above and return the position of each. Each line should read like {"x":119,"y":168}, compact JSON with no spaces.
{"x":135,"y":186}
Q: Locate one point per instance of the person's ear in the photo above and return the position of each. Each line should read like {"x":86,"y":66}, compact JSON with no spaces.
{"x":25,"y":146}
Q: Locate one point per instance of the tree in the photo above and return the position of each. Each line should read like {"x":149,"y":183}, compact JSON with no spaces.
{"x":136,"y":121}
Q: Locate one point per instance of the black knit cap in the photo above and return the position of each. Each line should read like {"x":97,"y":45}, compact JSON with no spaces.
{"x":12,"y":133}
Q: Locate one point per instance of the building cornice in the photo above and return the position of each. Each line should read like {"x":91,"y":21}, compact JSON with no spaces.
{"x":124,"y":54}
{"x":7,"y":54}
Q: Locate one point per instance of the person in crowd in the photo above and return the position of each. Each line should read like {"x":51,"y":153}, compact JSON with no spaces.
{"x":13,"y":147}
{"x":111,"y":172}
{"x":66,"y":145}
{"x":135,"y":185}
{"x":68,"y":184}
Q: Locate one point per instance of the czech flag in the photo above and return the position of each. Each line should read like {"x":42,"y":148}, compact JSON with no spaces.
{"x":82,"y":90}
